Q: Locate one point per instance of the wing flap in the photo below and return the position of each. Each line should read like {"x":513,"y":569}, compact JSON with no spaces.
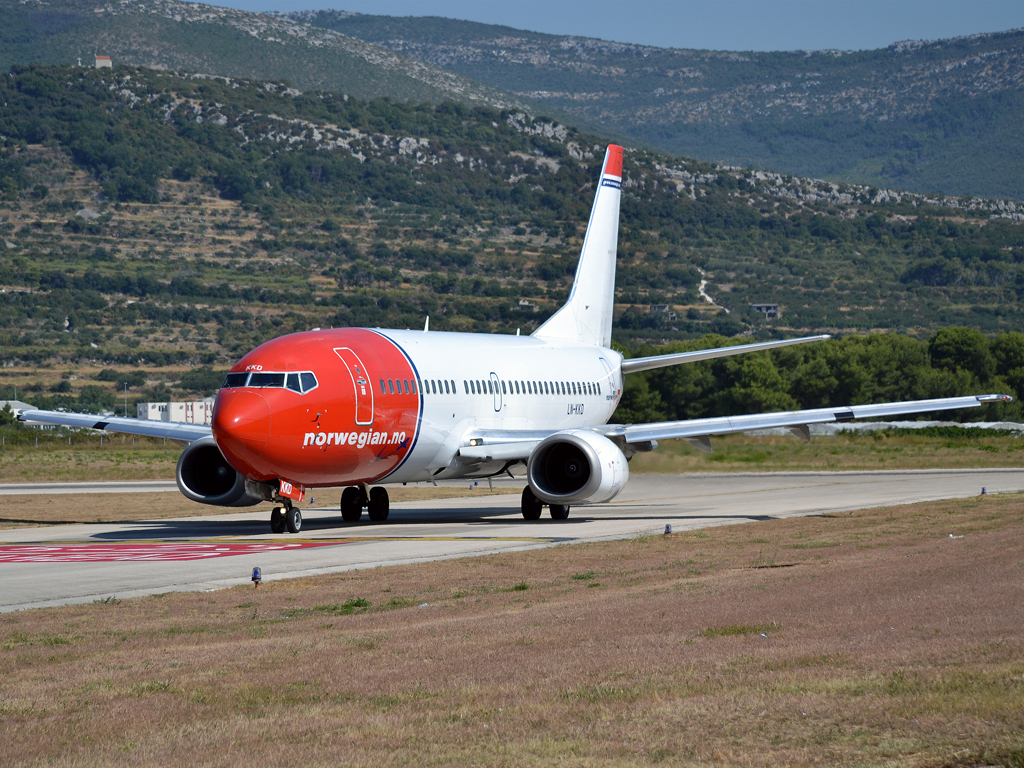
{"x":169,"y":429}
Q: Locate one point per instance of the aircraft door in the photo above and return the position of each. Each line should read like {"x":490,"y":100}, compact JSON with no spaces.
{"x":496,"y":384}
{"x":360,"y":384}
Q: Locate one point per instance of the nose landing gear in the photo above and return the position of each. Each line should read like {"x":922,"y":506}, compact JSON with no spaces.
{"x":286,"y":518}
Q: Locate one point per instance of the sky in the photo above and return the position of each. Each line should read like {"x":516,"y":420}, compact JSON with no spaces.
{"x":734,"y":25}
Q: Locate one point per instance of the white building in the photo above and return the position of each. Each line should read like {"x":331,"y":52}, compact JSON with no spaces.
{"x":193,"y":412}
{"x":103,"y":61}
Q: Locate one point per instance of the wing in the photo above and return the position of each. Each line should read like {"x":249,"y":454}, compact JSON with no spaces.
{"x":505,"y":445}
{"x":168,"y":429}
{"x":699,"y":431}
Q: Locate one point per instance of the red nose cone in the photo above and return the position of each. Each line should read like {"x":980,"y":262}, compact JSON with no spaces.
{"x":241,"y":426}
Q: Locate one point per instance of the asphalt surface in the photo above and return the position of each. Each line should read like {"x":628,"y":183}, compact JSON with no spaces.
{"x":64,"y":564}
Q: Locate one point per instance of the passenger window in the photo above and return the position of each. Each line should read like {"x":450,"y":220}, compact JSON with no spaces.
{"x":517,"y":386}
{"x":599,"y":388}
{"x":466,"y":385}
{"x":234,"y":380}
{"x":308,"y":381}
{"x":433,"y":386}
{"x":446,"y":388}
{"x":383,"y":389}
{"x":293,"y":382}
{"x":412,"y":385}
{"x":503,"y":388}
{"x":391,"y":387}
{"x":453,"y":387}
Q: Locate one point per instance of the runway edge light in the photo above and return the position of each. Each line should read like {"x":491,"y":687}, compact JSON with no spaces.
{"x":257,"y":576}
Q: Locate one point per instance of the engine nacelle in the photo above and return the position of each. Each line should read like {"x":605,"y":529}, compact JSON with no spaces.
{"x":577,"y":467}
{"x":204,"y":476}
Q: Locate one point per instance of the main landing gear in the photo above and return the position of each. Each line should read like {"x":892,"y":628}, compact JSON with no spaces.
{"x":286,"y":518}
{"x":532,"y":507}
{"x":354,"y":498}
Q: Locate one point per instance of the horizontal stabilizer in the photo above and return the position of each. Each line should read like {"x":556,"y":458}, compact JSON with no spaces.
{"x":647,"y":363}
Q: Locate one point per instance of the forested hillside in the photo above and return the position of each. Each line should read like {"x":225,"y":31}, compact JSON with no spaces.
{"x":191,"y":37}
{"x":162,"y":223}
{"x":939,"y":116}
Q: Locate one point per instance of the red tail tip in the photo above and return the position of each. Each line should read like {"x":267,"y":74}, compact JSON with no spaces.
{"x":613,"y":161}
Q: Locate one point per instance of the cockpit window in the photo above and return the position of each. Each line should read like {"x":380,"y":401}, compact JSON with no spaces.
{"x":266,"y":380}
{"x":297,"y":382}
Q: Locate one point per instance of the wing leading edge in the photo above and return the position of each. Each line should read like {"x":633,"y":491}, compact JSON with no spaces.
{"x":168,"y":429}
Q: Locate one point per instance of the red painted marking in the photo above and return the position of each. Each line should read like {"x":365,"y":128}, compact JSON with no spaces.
{"x":112,"y":553}
{"x":613,"y":164}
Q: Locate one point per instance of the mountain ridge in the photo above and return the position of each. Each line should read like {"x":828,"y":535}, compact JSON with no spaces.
{"x":173,"y":35}
{"x":935,"y":116}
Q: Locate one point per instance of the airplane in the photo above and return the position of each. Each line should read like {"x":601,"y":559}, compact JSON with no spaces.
{"x":363,"y":408}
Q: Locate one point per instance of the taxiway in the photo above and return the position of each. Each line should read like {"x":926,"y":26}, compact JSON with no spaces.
{"x":58,"y":565}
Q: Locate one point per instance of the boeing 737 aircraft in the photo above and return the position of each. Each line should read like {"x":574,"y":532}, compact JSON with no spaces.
{"x":362,"y":407}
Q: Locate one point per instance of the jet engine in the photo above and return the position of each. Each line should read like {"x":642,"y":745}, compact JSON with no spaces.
{"x":577,"y":467}
{"x":204,"y":476}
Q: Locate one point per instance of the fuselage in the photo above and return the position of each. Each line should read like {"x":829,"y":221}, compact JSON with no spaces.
{"x":352,"y":406}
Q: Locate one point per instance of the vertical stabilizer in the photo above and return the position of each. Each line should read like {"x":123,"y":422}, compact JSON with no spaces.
{"x":587,"y":316}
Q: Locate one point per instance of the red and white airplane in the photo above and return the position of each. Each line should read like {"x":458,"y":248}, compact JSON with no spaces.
{"x":362,"y":407}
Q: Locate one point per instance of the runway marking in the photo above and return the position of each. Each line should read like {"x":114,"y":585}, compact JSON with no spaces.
{"x":159,"y":551}
{"x":112,"y":553}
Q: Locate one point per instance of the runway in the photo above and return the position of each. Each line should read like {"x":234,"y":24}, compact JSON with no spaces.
{"x":65,"y":564}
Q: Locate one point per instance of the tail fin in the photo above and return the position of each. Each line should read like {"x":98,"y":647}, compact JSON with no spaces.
{"x":587,"y":315}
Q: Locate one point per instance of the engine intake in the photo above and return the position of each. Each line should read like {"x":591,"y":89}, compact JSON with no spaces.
{"x":577,"y":467}
{"x":204,"y":476}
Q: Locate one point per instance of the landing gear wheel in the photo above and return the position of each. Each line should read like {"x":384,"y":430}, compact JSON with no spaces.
{"x":277,"y":520}
{"x":531,"y":505}
{"x":351,"y":504}
{"x":379,"y":505}
{"x":559,"y":511}
{"x":293,"y":519}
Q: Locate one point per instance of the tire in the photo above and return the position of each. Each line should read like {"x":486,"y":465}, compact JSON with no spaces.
{"x":277,"y":521}
{"x":379,"y":505}
{"x":293,"y":519}
{"x":531,"y":505}
{"x":559,"y":511}
{"x":351,"y":504}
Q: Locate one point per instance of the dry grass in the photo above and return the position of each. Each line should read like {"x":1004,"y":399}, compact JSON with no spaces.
{"x":887,"y":643}
{"x":747,"y":453}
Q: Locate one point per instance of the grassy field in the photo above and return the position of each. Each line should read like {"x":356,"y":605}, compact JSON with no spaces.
{"x":966,"y":449}
{"x":865,"y":639}
{"x":119,"y":459}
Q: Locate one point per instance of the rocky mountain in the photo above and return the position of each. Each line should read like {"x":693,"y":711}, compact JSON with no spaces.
{"x":190,"y":37}
{"x":937,"y":116}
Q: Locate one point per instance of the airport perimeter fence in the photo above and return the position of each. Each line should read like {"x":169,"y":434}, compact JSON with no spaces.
{"x":57,"y":440}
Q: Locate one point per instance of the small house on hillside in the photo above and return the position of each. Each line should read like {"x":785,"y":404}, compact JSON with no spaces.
{"x":770,"y":310}
{"x":103,"y":61}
